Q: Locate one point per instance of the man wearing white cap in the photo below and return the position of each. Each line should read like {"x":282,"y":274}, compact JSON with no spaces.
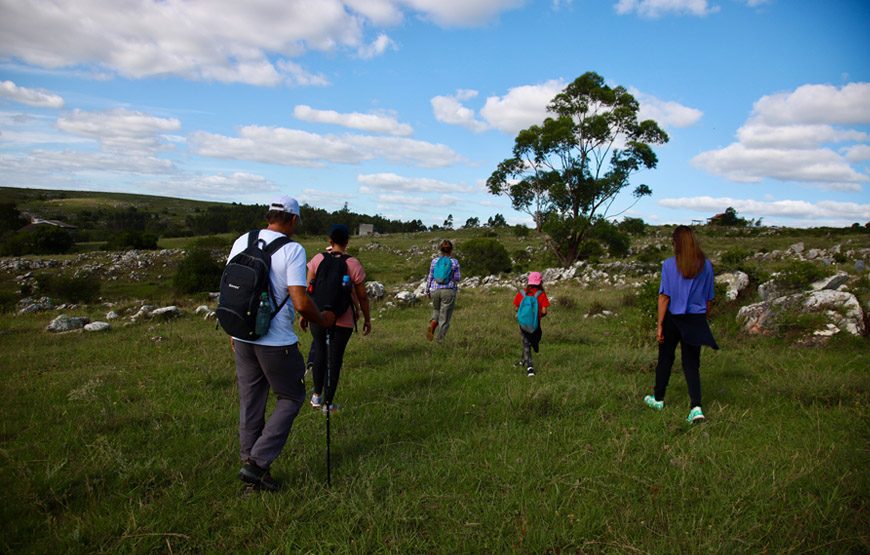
{"x":273,"y":360}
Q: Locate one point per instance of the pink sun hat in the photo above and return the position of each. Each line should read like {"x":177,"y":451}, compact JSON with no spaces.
{"x":535,"y":278}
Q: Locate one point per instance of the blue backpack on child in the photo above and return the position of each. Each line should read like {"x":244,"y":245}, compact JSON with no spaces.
{"x":527,"y":313}
{"x":443,"y":271}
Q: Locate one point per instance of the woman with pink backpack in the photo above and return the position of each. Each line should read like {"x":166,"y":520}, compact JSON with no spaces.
{"x":531,"y":306}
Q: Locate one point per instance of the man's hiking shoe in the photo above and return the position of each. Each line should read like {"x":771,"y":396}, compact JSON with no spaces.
{"x":430,"y":330}
{"x":258,"y":477}
{"x":695,"y":416}
{"x":316,"y":400}
{"x":653,"y":404}
{"x":530,"y":371}
{"x":331,"y":408}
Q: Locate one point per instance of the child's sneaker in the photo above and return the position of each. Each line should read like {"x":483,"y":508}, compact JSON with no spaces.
{"x":695,"y":416}
{"x":316,"y":400}
{"x":530,"y":371}
{"x":653,"y":404}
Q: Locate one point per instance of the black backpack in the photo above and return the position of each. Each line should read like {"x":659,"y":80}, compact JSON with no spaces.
{"x":329,"y":289}
{"x":245,"y":279}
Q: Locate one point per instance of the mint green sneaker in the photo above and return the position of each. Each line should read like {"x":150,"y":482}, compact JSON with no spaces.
{"x":695,"y":415}
{"x":652,"y":403}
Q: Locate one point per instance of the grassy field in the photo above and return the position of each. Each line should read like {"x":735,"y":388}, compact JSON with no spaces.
{"x":126,"y":441}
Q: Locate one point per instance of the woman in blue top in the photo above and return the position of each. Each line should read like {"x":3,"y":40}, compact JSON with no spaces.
{"x":684,"y":301}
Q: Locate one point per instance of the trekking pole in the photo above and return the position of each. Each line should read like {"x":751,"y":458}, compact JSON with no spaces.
{"x":326,"y":405}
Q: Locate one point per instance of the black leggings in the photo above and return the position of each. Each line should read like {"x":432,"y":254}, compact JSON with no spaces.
{"x":691,"y":358}
{"x":317,"y":358}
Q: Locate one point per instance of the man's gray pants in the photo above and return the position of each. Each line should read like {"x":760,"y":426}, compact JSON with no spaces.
{"x":443,"y":302}
{"x":259,"y":368}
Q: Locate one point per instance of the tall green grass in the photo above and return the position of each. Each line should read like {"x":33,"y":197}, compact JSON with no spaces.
{"x":126,"y":441}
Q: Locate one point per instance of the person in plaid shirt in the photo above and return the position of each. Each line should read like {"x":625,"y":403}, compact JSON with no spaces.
{"x":442,"y":285}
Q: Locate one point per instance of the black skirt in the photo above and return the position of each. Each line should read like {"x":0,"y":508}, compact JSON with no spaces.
{"x":694,"y":329}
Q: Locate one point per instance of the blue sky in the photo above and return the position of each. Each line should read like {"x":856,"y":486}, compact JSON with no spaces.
{"x":405,"y":107}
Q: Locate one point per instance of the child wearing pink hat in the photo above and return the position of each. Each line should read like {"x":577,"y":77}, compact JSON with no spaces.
{"x":531,"y":306}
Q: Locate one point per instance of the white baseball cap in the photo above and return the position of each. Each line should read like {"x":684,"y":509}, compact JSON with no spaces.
{"x":286,"y":204}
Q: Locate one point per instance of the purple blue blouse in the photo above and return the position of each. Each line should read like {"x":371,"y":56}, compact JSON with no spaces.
{"x":688,"y":296}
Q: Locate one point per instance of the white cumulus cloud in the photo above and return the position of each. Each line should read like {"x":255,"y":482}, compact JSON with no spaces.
{"x":219,"y":40}
{"x":658,"y":8}
{"x":667,"y":113}
{"x":449,"y":109}
{"x":841,"y":212}
{"x":790,"y":137}
{"x":380,"y":182}
{"x":120,"y":130}
{"x":39,"y":98}
{"x":375,"y":123}
{"x":376,"y":47}
{"x":294,"y":147}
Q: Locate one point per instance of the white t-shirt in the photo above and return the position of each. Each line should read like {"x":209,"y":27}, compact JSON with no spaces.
{"x":288,"y":269}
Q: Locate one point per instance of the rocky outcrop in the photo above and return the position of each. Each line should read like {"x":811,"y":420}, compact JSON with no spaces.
{"x":64,"y":323}
{"x":841,"y":310}
{"x":735,"y":282}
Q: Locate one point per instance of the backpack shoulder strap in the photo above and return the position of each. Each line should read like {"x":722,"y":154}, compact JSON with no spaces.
{"x":253,"y":235}
{"x":538,"y":293}
{"x":273,"y":247}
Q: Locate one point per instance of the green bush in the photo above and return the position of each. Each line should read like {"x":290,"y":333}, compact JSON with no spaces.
{"x":521,"y":231}
{"x":132,"y":240}
{"x":652,"y":254}
{"x":8,"y":301}
{"x":42,"y":240}
{"x":590,"y":249}
{"x":522,"y":259}
{"x":634,"y":226}
{"x":800,"y":274}
{"x":733,"y":259}
{"x":483,"y":257}
{"x":82,"y":289}
{"x":198,"y":272}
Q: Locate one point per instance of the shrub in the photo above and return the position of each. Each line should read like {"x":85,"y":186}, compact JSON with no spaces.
{"x":653,"y":254}
{"x":521,"y":259}
{"x":521,"y":231}
{"x":800,"y":274}
{"x":42,"y":240}
{"x":197,"y":272}
{"x":483,"y":256}
{"x":132,"y":240}
{"x":733,"y":259}
{"x":634,"y":226}
{"x":590,"y":249}
{"x":82,"y":289}
{"x":8,"y":301}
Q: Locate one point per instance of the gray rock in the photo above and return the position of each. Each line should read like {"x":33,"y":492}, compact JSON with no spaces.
{"x":201,"y":309}
{"x":166,"y":312}
{"x":406,"y":298}
{"x":98,"y":326}
{"x":831,"y":282}
{"x":112,"y":315}
{"x":797,"y":248}
{"x":40,"y":305}
{"x":769,"y":290}
{"x":144,"y":312}
{"x":375,"y":290}
{"x":860,"y":266}
{"x":840,"y":308}
{"x":735,"y":282}
{"x":65,"y":323}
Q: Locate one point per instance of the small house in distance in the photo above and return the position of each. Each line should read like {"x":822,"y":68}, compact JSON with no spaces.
{"x":366,"y":229}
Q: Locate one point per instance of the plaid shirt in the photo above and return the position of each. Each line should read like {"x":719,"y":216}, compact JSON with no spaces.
{"x":452,"y":283}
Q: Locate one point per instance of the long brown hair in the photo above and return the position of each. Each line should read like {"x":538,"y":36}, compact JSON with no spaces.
{"x":690,"y":257}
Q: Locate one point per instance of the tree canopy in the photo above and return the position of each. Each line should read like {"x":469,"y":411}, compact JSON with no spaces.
{"x":567,"y":172}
